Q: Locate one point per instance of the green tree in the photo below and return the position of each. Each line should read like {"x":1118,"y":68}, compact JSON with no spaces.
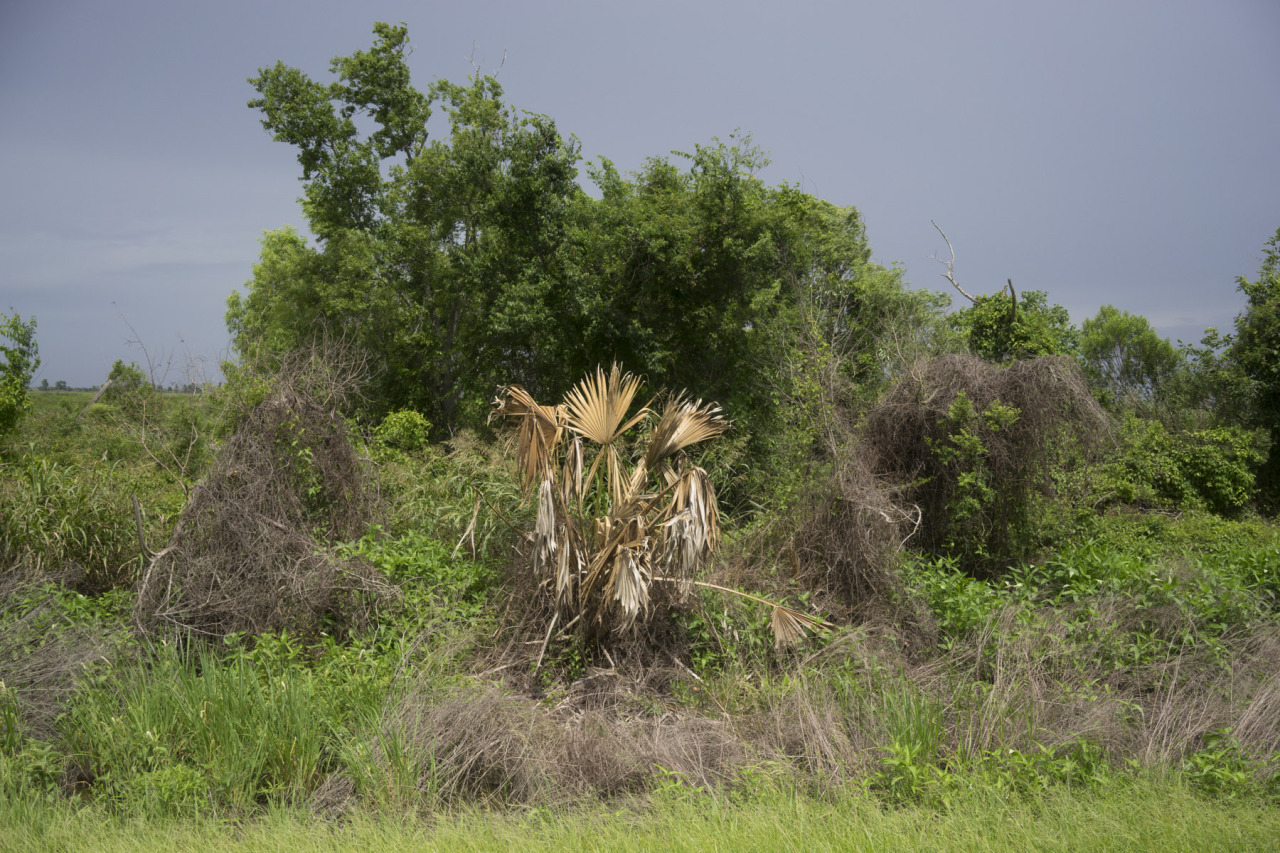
{"x":473,"y":259}
{"x":1126,"y":362}
{"x":762,"y":298}
{"x":130,"y":389}
{"x":21,"y":359}
{"x":1001,"y":328}
{"x":439,"y":259}
{"x":1255,"y":351}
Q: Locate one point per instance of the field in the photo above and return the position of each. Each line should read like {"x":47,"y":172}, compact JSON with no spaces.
{"x":374,"y":668}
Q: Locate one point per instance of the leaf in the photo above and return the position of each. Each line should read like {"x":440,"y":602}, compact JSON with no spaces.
{"x":544,"y":531}
{"x":788,"y":626}
{"x":630,"y":584}
{"x":683,"y":423}
{"x":538,"y":437}
{"x":596,"y":405}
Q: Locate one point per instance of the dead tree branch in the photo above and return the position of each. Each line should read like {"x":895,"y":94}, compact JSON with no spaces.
{"x":949,"y":275}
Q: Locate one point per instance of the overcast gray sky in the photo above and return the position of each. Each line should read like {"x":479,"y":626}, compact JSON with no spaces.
{"x":1107,"y":152}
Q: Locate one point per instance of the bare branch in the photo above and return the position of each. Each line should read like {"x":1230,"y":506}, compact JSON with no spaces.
{"x":96,"y":398}
{"x":949,"y":275}
{"x":1013,"y":309}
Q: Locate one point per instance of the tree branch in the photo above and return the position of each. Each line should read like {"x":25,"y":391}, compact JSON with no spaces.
{"x":949,"y":275}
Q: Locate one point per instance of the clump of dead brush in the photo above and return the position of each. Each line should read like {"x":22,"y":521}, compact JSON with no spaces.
{"x":252,"y":551}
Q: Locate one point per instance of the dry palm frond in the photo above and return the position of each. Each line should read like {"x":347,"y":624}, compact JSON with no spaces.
{"x":681,"y":553}
{"x":595,"y":409}
{"x":788,"y":626}
{"x":571,"y":473}
{"x":539,"y":436}
{"x":693,"y":531}
{"x":544,"y":531}
{"x":597,"y":405}
{"x":629,"y":585}
{"x":683,"y":423}
{"x":569,"y":568}
{"x":694,"y":492}
{"x":784,"y":621}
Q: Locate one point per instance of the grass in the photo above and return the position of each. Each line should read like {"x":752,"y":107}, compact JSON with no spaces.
{"x":1150,"y":813}
{"x":1119,"y":693}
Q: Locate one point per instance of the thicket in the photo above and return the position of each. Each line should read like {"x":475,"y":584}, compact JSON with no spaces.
{"x":1025,"y":559}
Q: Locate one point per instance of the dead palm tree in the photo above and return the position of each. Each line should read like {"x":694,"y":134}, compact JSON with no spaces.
{"x":607,"y":531}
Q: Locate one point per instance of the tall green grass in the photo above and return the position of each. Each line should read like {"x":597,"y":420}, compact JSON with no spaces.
{"x":183,"y":732}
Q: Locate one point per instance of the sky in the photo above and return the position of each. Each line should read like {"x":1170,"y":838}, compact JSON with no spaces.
{"x":1118,"y":152}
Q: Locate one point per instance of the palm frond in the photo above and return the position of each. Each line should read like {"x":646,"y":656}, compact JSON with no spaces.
{"x":571,"y":473}
{"x":629,"y":584}
{"x":788,"y":626}
{"x":694,"y":492}
{"x":597,"y":405}
{"x":545,"y":545}
{"x":683,"y":423}
{"x":569,"y":568}
{"x":538,"y":436}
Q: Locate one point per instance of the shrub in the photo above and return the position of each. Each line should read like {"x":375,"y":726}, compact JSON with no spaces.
{"x":1211,"y":469}
{"x":20,"y":362}
{"x":970,"y":443}
{"x":405,"y":430}
{"x":68,"y":521}
{"x":252,"y":550}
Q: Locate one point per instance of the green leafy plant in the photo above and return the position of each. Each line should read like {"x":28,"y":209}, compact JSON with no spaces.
{"x":405,"y":430}
{"x":963,"y":453}
{"x":21,"y":359}
{"x":1220,"y":767}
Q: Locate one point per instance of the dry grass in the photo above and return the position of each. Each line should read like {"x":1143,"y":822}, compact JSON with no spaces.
{"x":481,"y":742}
{"x":40,"y":670}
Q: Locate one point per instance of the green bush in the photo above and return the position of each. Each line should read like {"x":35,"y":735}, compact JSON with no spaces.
{"x":436,"y":584}
{"x":130,"y":389}
{"x":20,"y":362}
{"x":1211,"y":469}
{"x":405,"y":430}
{"x":235,"y":730}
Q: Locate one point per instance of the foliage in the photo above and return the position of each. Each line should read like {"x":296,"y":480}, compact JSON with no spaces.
{"x":433,"y":255}
{"x":130,"y":389}
{"x":177,"y":734}
{"x":962,"y":453}
{"x":404,"y":430}
{"x":999,"y":329}
{"x":1255,"y":351}
{"x":440,"y":492}
{"x":1126,"y":362}
{"x":458,"y":261}
{"x":20,"y":362}
{"x":1209,"y":468}
{"x":68,"y":521}
{"x":434,"y":582}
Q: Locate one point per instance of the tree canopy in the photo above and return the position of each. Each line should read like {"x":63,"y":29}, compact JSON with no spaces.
{"x":1125,"y":359}
{"x":1255,"y":351}
{"x":469,"y":257}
